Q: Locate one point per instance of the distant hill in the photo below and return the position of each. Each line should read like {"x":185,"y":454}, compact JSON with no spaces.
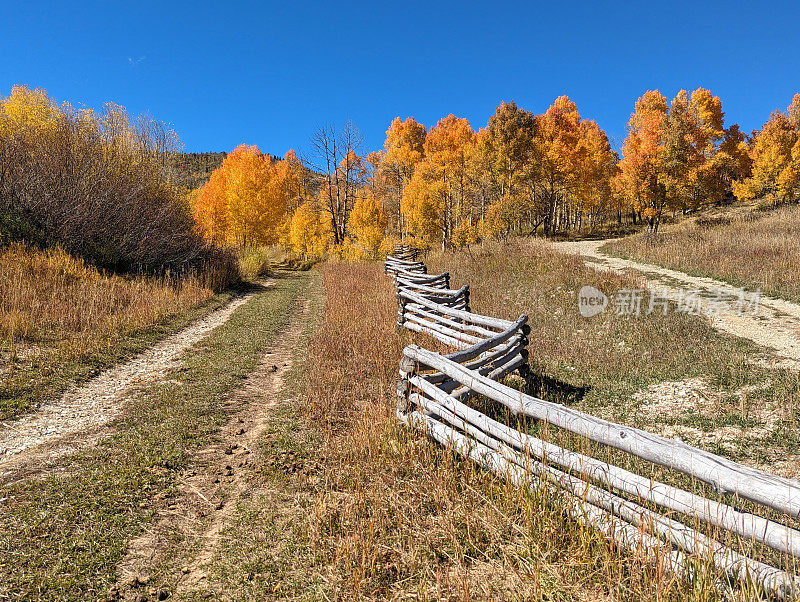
{"x":196,"y":168}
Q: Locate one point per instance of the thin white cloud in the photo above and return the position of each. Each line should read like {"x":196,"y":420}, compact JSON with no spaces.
{"x":132,"y":62}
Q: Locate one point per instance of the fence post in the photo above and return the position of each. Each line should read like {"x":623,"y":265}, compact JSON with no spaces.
{"x":401,"y":310}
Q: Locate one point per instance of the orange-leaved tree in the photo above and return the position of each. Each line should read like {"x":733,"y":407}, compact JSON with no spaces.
{"x":679,"y":157}
{"x":596,"y":166}
{"x":402,"y":150}
{"x":247,"y":198}
{"x":640,"y":179}
{"x":554,"y":166}
{"x":435,"y":200}
{"x":775,"y":154}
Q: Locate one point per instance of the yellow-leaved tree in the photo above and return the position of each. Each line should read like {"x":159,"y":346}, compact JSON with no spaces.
{"x":28,"y":111}
{"x":436,"y":199}
{"x":368,"y":226}
{"x":247,"y":199}
{"x":775,"y":154}
{"x":402,"y":151}
{"x":309,"y":232}
{"x":641,"y":170}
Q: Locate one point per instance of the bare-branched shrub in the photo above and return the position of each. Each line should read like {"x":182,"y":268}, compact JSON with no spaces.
{"x":101,"y":186}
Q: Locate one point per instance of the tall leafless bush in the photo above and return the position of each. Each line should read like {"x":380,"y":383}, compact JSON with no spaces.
{"x":102,"y":188}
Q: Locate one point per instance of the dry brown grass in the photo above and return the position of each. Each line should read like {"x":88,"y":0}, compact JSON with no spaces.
{"x":395,"y":516}
{"x":55,"y":310}
{"x":259,"y":262}
{"x":751,"y":249}
{"x":377,"y":512}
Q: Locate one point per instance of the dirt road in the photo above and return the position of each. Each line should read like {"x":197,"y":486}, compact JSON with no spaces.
{"x":221,"y":474}
{"x":771,"y":323}
{"x":77,"y":418}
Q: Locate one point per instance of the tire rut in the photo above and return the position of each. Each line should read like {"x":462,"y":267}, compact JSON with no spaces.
{"x":220,"y":475}
{"x":80,"y":416}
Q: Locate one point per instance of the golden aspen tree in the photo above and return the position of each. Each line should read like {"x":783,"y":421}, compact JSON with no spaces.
{"x":244,"y":194}
{"x":368,"y":226}
{"x":554,"y":163}
{"x":402,"y":150}
{"x":681,"y":156}
{"x":733,"y":155}
{"x":502,"y":153}
{"x":440,"y":182}
{"x":211,"y":208}
{"x":246,"y":199}
{"x":710,"y":117}
{"x":376,"y":180}
{"x":423,"y":207}
{"x":723,"y":158}
{"x":596,"y":164}
{"x":465,"y":231}
{"x":775,"y":154}
{"x":500,"y":218}
{"x":640,"y":179}
{"x":294,"y":179}
{"x":309,"y":233}
{"x":794,"y":112}
{"x":508,"y":142}
{"x":404,"y":145}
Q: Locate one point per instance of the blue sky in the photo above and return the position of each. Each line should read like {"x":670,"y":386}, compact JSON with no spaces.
{"x":267,"y":73}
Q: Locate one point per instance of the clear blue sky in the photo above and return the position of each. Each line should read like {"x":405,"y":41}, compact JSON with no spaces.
{"x":224,"y":73}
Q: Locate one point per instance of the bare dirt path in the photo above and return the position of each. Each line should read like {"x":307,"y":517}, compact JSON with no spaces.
{"x":77,"y":418}
{"x":219,"y":476}
{"x":775,"y":323}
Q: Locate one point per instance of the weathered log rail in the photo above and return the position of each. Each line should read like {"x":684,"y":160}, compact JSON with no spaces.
{"x":406,"y":252}
{"x":404,"y":261}
{"x":670,"y":524}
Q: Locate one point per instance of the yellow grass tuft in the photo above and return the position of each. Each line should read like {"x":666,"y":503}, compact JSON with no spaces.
{"x":56,"y":309}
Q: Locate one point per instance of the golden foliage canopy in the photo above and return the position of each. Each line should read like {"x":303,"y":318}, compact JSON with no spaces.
{"x":247,"y":199}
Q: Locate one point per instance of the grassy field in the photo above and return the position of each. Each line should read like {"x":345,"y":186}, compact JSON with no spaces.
{"x":63,"y":534}
{"x":750,"y":249}
{"x":62,"y":321}
{"x":344,"y":504}
{"x":613,"y":365}
{"x":384,"y":514}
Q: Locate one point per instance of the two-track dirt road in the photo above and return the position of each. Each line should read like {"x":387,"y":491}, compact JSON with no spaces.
{"x":767,"y":321}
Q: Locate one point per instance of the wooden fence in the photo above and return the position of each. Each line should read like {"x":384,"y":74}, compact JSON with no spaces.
{"x":668,"y":523}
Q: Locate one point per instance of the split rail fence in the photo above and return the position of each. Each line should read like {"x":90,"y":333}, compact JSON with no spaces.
{"x":636,"y":511}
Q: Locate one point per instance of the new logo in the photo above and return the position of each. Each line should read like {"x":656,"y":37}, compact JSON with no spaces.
{"x":591,"y":301}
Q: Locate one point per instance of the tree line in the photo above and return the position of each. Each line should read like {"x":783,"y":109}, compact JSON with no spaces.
{"x":551,"y":174}
{"x":115,"y":190}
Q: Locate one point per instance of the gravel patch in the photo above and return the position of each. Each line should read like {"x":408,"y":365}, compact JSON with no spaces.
{"x":86,"y":408}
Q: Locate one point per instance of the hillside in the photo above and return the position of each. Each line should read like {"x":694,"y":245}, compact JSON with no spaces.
{"x":196,"y":168}
{"x":747,"y":245}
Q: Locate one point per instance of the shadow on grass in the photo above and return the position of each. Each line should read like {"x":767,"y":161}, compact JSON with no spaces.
{"x":552,"y":389}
